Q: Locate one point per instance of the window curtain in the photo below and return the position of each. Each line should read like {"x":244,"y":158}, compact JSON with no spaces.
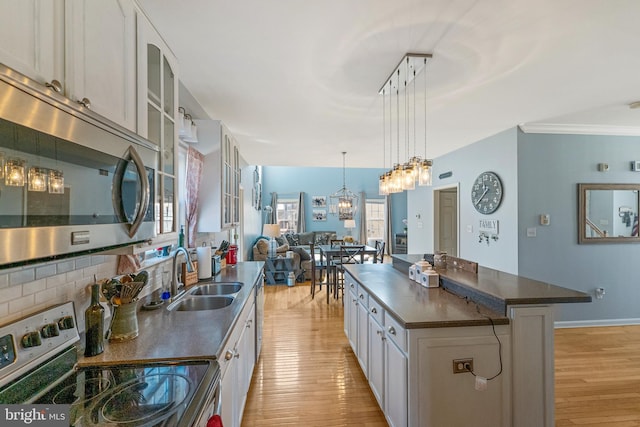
{"x":388,"y":232}
{"x":274,"y":206}
{"x":302,"y":223}
{"x":195,"y":160}
{"x":363,"y":219}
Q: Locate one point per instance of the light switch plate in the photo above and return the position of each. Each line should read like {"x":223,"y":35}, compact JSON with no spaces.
{"x":531,"y":232}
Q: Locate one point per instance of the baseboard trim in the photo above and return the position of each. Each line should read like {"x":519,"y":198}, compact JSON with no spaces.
{"x":595,"y":323}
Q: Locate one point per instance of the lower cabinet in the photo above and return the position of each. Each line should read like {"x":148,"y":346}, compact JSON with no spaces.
{"x":236,"y":364}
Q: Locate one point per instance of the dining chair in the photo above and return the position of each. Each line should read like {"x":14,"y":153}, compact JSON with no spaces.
{"x":336,"y":242}
{"x":318,"y":270}
{"x":380,"y":244}
{"x":349,"y":254}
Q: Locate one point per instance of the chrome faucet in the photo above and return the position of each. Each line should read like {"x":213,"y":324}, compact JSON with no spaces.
{"x":175,"y":284}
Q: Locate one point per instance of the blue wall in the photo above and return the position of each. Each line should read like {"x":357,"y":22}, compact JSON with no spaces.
{"x":289,"y":181}
{"x":550,"y":167}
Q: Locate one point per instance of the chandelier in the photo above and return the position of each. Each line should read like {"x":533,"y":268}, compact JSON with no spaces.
{"x":415,"y":169}
{"x":343,"y":202}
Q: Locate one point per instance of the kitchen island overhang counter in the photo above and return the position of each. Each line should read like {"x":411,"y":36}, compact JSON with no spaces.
{"x":496,"y":289}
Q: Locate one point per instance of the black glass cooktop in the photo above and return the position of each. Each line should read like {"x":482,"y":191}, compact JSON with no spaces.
{"x":128,"y":395}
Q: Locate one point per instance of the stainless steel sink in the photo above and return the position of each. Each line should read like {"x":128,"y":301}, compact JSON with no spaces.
{"x":216,"y":289}
{"x":201,"y":303}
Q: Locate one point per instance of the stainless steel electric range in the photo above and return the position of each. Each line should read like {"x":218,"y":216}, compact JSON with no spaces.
{"x":38,"y":356}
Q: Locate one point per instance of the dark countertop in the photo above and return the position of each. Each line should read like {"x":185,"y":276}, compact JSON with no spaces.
{"x":183,"y":335}
{"x":415,"y":306}
{"x":499,"y":290}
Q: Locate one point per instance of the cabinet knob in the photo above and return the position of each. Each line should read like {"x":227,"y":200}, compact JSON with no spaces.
{"x":85,"y":102}
{"x":392,"y":330}
{"x":352,"y":286}
{"x":55,"y":85}
{"x":361,"y":296}
{"x":228,"y":355}
{"x":237,"y":355}
{"x":373,"y":310}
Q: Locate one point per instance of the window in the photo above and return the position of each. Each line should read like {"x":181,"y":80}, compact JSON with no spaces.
{"x":287,"y":215}
{"x":375,"y":219}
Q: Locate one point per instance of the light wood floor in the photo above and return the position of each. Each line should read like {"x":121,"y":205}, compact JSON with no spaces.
{"x":308,"y":375}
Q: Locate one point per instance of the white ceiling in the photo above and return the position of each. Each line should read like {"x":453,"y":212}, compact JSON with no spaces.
{"x":297,"y":81}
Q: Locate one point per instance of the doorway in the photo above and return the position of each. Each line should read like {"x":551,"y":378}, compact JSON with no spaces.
{"x":445,"y":219}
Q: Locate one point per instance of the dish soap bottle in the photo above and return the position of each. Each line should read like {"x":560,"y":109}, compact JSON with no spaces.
{"x":94,"y":324}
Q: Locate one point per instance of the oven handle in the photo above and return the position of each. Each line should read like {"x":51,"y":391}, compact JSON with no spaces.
{"x":132,"y":155}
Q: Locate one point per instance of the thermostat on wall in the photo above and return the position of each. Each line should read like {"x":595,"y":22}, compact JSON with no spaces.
{"x":635,"y":165}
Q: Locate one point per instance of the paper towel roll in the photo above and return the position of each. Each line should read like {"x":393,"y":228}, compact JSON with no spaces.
{"x":204,"y":261}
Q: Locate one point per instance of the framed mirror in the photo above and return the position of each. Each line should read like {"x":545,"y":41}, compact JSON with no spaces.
{"x":608,"y":213}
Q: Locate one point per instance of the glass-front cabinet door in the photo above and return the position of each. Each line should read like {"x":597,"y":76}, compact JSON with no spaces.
{"x":159,"y":113}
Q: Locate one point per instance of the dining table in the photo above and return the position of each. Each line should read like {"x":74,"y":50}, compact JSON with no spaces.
{"x":328,"y":252}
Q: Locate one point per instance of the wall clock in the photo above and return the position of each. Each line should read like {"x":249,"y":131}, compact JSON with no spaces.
{"x":486,"y":193}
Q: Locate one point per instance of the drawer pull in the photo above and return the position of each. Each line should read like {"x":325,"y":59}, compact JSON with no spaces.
{"x":392,"y":330}
{"x":373,"y":310}
{"x":352,"y":286}
{"x":361,"y":296}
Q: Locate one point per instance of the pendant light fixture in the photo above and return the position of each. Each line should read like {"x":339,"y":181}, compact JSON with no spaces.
{"x":14,"y":173}
{"x":415,"y":169}
{"x":343,"y":202}
{"x":56,"y":182}
{"x":37,"y":179}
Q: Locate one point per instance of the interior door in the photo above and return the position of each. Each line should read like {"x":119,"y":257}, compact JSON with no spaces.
{"x":448,"y":221}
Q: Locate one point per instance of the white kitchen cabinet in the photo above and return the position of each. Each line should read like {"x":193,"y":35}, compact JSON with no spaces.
{"x":246,"y":361}
{"x":395,"y":381}
{"x":363,"y":336}
{"x":236,"y":365}
{"x":32,"y":33}
{"x":89,"y":47}
{"x":219,"y":207}
{"x":157,"y":112}
{"x":353,"y":321}
{"x":376,"y":359}
{"x":100,"y":57}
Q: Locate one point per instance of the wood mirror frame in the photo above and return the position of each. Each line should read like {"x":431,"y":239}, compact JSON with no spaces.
{"x":617,"y":209}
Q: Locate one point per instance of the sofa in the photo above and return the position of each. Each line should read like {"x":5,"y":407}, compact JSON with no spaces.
{"x":299,"y":244}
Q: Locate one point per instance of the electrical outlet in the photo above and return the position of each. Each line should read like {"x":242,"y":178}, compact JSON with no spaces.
{"x":461,"y":366}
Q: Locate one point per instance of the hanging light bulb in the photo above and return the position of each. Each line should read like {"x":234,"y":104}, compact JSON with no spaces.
{"x":56,"y":182}
{"x":425,"y":173}
{"x":14,"y":173}
{"x":37,"y":179}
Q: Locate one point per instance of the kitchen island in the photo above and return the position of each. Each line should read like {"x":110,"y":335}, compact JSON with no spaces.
{"x":411,"y":340}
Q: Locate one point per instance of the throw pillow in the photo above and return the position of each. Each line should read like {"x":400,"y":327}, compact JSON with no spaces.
{"x":263,"y":246}
{"x":305,"y":238}
{"x":304,"y":255}
{"x":281,"y":240}
{"x":292,"y":239}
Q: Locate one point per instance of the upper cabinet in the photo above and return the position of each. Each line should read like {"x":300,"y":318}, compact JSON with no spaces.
{"x":158,"y":88}
{"x":87,"y":46}
{"x":100,"y":60}
{"x":219,"y":207}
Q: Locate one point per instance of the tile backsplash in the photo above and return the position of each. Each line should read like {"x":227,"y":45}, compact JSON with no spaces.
{"x":26,"y":290}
